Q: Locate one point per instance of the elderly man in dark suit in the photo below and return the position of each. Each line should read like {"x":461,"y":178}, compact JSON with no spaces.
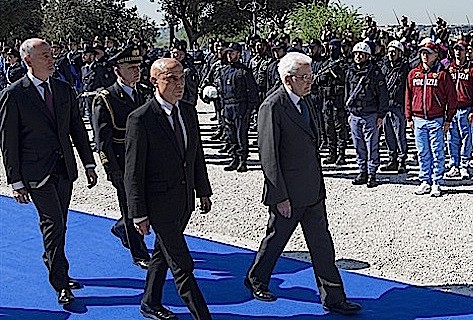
{"x":164,"y":171}
{"x":38,"y":117}
{"x":294,"y":187}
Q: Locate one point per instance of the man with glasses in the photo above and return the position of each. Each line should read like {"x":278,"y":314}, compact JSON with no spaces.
{"x":164,"y":171}
{"x":367,"y":101}
{"x":431,"y":103}
{"x":459,"y":135}
{"x":294,"y":188}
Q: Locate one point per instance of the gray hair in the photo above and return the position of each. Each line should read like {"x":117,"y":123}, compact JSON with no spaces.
{"x":28,"y":45}
{"x":291,"y":62}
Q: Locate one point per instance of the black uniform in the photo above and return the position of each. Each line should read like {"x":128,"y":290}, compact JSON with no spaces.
{"x":15,"y":72}
{"x":395,"y":122}
{"x":331,"y":81}
{"x":273,"y":78}
{"x":239,"y":97}
{"x":213,"y":79}
{"x":68,"y":68}
{"x":192,"y":83}
{"x":111,"y":109}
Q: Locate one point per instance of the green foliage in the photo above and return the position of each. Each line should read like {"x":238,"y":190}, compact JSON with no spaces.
{"x":86,"y":19}
{"x":20,"y":19}
{"x":308,"y":20}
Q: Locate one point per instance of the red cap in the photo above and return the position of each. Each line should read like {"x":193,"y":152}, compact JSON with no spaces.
{"x":430,"y":47}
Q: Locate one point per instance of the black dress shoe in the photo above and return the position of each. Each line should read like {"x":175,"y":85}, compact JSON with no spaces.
{"x":142,"y":263}
{"x":345,"y":307}
{"x":259,"y":294}
{"x":159,"y":313}
{"x":391,"y":166}
{"x":65,"y":296}
{"x":74,"y":284}
{"x":372,"y":183}
{"x":120,"y":236}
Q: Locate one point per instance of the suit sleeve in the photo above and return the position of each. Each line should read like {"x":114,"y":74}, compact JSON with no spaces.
{"x":269,"y":135}
{"x":78,"y":132}
{"x":201,"y":178}
{"x":9,"y":131}
{"x":135,"y":172}
{"x":105,"y":135}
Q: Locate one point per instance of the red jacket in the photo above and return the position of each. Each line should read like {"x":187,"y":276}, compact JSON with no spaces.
{"x":463,"y":78}
{"x":430,"y":95}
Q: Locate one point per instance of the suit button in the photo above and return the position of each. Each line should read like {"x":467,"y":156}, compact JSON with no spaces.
{"x":185,"y":164}
{"x":183,"y":182}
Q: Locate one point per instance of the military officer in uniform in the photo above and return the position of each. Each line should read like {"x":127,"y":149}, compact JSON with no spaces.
{"x":111,"y":108}
{"x":190,"y":72}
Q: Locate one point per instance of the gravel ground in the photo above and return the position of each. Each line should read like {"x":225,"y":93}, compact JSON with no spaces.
{"x":386,"y":231}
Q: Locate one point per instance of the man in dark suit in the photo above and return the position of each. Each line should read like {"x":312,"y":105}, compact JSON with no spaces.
{"x":111,"y":108}
{"x":294,"y":187}
{"x":164,"y":171}
{"x":38,"y":117}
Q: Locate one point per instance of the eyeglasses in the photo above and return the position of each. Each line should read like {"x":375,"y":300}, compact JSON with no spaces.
{"x":305,"y":77}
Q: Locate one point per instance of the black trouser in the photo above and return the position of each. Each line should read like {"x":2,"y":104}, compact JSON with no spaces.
{"x":395,"y":133}
{"x":171,"y":251}
{"x":52,"y":203}
{"x":335,"y":119}
{"x":125,"y":227}
{"x":319,"y":119}
{"x":313,"y":220}
{"x":236,"y":129}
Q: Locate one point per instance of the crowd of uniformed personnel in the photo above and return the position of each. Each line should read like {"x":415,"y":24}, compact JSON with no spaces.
{"x":384,"y":83}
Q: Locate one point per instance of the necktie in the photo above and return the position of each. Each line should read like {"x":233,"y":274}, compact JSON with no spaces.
{"x":305,"y":112}
{"x":178,"y":130}
{"x":48,"y":98}
{"x":134,"y":95}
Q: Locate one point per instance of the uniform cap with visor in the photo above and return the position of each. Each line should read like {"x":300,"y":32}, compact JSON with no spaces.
{"x":362,"y":47}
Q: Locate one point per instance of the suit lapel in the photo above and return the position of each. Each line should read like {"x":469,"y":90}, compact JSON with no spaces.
{"x":163,"y":121}
{"x":294,"y":115}
{"x":33,"y":95}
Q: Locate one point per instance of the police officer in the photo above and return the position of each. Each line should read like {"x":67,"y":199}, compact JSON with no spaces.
{"x":331,"y":83}
{"x":279,"y":50}
{"x":105,"y":71}
{"x":69,"y":65}
{"x":395,"y":70}
{"x":190,"y":72}
{"x":213,"y":79}
{"x":367,"y":101}
{"x":15,"y":70}
{"x":111,"y":108}
{"x":239,"y":96}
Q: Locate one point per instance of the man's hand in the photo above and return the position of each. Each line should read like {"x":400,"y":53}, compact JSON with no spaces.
{"x":446,"y":127}
{"x":284,"y":208}
{"x":410,"y":124}
{"x":205,"y":205}
{"x":22,"y":196}
{"x":379,"y":123}
{"x":470,"y":117}
{"x":143,"y":227}
{"x":91,"y":178}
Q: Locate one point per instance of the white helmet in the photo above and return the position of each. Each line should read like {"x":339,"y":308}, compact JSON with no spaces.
{"x":396,"y":44}
{"x":210,"y":92}
{"x":362,"y":47}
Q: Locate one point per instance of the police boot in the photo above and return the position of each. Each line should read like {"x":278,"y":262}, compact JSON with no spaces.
{"x":360,"y":179}
{"x":331,"y":159}
{"x":372,"y":181}
{"x":242,"y":166}
{"x":233,"y":165}
{"x":391,"y":166}
{"x":401,"y":169}
{"x":341,"y":160}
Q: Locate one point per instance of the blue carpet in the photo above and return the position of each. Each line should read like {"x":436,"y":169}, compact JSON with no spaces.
{"x":113,"y":286}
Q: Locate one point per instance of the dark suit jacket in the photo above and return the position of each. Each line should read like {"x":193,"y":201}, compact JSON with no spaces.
{"x":289,"y":153}
{"x":32,"y":141}
{"x":159,"y":183}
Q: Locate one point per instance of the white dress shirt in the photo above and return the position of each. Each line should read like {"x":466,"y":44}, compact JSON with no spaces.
{"x":128,"y":90}
{"x":294,"y":98}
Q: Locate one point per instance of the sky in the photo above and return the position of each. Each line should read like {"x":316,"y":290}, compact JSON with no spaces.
{"x":453,"y":11}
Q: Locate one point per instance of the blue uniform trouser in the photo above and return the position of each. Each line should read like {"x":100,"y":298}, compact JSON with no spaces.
{"x":395,"y":132}
{"x":430,"y":145}
{"x":365,"y":135}
{"x":459,"y":139}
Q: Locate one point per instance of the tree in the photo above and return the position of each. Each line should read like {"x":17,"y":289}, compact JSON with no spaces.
{"x":86,"y":19}
{"x":308,"y":20}
{"x":20,"y":19}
